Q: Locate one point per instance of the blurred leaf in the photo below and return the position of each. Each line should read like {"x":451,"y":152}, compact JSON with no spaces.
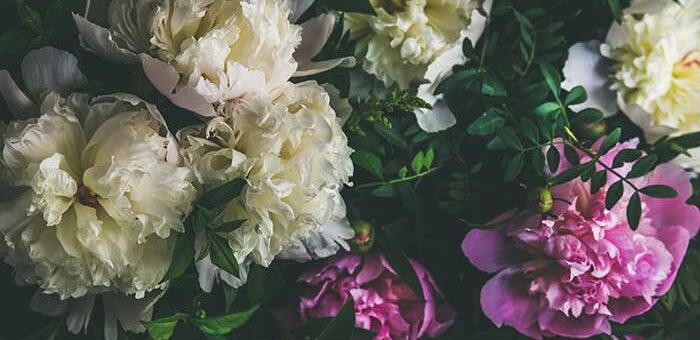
{"x":368,"y":161}
{"x":222,"y":325}
{"x":384,"y":191}
{"x":486,"y":124}
{"x":183,"y":255}
{"x":529,"y":129}
{"x":418,"y":162}
{"x":163,"y":329}
{"x":391,"y":135}
{"x":515,"y":166}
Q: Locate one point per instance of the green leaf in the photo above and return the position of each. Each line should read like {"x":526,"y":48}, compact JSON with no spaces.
{"x":515,"y":166}
{"x":29,"y":18}
{"x":529,"y":129}
{"x":356,"y":6}
{"x":570,"y":173}
{"x":183,"y":255}
{"x":384,"y":191}
{"x":11,"y":42}
{"x":428,"y":159}
{"x":163,"y":329}
{"x":538,"y":162}
{"x":552,"y":77}
{"x":545,"y":109}
{"x":403,"y":172}
{"x":342,"y":325}
{"x":222,"y":325}
{"x":614,"y":194}
{"x":615,"y":9}
{"x":587,"y":116}
{"x":459,"y":77}
{"x":634,"y":211}
{"x":610,"y":141}
{"x":222,"y":194}
{"x":222,"y":255}
{"x":687,"y":141}
{"x":642,"y":167}
{"x":576,"y":96}
{"x":417,"y":162}
{"x":491,"y":86}
{"x":504,"y":140}
{"x":229,"y":226}
{"x":486,"y":124}
{"x":571,"y":155}
{"x":397,"y":259}
{"x":626,"y":156}
{"x":598,"y":180}
{"x":391,"y":135}
{"x":524,"y":21}
{"x":553,"y":159}
{"x":230,"y":294}
{"x":368,"y":161}
{"x":659,"y":191}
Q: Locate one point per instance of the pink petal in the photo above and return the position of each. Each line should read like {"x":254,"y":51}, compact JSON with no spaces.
{"x":489,"y":250}
{"x":666,"y":212}
{"x":583,"y":326}
{"x":505,"y":300}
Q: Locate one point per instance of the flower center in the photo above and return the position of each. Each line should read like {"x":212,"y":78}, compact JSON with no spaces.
{"x":86,"y":197}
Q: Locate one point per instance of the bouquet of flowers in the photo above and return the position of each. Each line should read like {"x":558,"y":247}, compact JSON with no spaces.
{"x":349,"y":169}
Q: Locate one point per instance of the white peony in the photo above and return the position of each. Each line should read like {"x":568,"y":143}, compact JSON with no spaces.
{"x":294,"y":157}
{"x":410,"y":42}
{"x":649,"y":67}
{"x":203,"y":52}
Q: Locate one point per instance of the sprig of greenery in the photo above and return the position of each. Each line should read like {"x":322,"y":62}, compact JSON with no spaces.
{"x":374,"y":109}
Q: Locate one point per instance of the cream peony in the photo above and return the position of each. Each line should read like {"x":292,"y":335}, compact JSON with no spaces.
{"x":100,"y":200}
{"x":203,"y":52}
{"x":410,"y":42}
{"x":293,"y":154}
{"x":405,"y":36}
{"x":648,"y":67}
{"x":225,"y":49}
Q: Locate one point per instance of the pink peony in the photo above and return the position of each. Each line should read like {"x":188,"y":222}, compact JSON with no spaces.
{"x":383,"y":303}
{"x":571,"y":273}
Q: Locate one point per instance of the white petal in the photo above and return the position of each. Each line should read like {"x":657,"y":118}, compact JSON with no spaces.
{"x":19,"y":104}
{"x":692,"y":162}
{"x":315,"y":67}
{"x":478,"y":23}
{"x":644,"y":120}
{"x":314,"y":34}
{"x":321,"y":243}
{"x":50,"y":69}
{"x":437,"y":119}
{"x":588,"y":68}
{"x":100,"y":41}
{"x":165,"y":78}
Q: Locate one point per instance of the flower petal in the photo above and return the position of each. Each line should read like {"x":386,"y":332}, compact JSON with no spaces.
{"x":505,"y":300}
{"x":315,"y":67}
{"x":100,"y":41}
{"x":588,"y":68}
{"x":19,"y":104}
{"x":314,"y":34}
{"x":50,"y":69}
{"x":583,"y":326}
{"x":489,"y":250}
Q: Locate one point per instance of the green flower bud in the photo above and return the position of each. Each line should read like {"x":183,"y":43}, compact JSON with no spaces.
{"x":364,"y":236}
{"x":592,"y":131}
{"x":540,"y":200}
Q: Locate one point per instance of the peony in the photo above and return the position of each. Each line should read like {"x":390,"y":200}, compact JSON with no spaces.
{"x":199,"y":52}
{"x":98,"y":198}
{"x":417,"y":41}
{"x":383,"y":303}
{"x":289,"y":148}
{"x":649,"y":66}
{"x":573,"y":272}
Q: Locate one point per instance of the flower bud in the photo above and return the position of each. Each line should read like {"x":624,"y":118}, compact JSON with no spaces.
{"x":592,"y":131}
{"x":364,"y":236}
{"x":540,"y":200}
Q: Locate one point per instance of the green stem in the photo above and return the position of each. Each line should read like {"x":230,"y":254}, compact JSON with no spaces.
{"x":396,"y":181}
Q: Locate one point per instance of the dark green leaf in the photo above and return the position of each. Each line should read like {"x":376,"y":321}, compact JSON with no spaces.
{"x":183,"y":255}
{"x":391,"y":135}
{"x":576,"y":96}
{"x":368,"y":161}
{"x":642,"y":167}
{"x":515,"y":166}
{"x":398,"y":260}
{"x":357,"y":6}
{"x":342,"y":325}
{"x":12,"y":42}
{"x":570,"y":174}
{"x":614,"y":194}
{"x":222,"y":255}
{"x":504,"y":140}
{"x":610,"y":141}
{"x":571,"y":155}
{"x":163,"y":329}
{"x":587,"y":116}
{"x":538,"y":162}
{"x":491,"y":86}
{"x":634,"y":211}
{"x":615,"y":9}
{"x":459,"y":77}
{"x":222,"y":325}
{"x":545,"y":109}
{"x":229,"y":226}
{"x":384,"y":191}
{"x":486,"y":124}
{"x":529,"y":129}
{"x":553,"y":159}
{"x":222,"y":194}
{"x":598,"y":180}
{"x":659,"y":191}
{"x":29,"y":18}
{"x":626,"y":156}
{"x":552,"y":77}
{"x":230,"y":294}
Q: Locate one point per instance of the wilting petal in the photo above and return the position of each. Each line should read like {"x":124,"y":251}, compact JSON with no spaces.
{"x":100,"y":41}
{"x":50,"y":69}
{"x":588,"y":68}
